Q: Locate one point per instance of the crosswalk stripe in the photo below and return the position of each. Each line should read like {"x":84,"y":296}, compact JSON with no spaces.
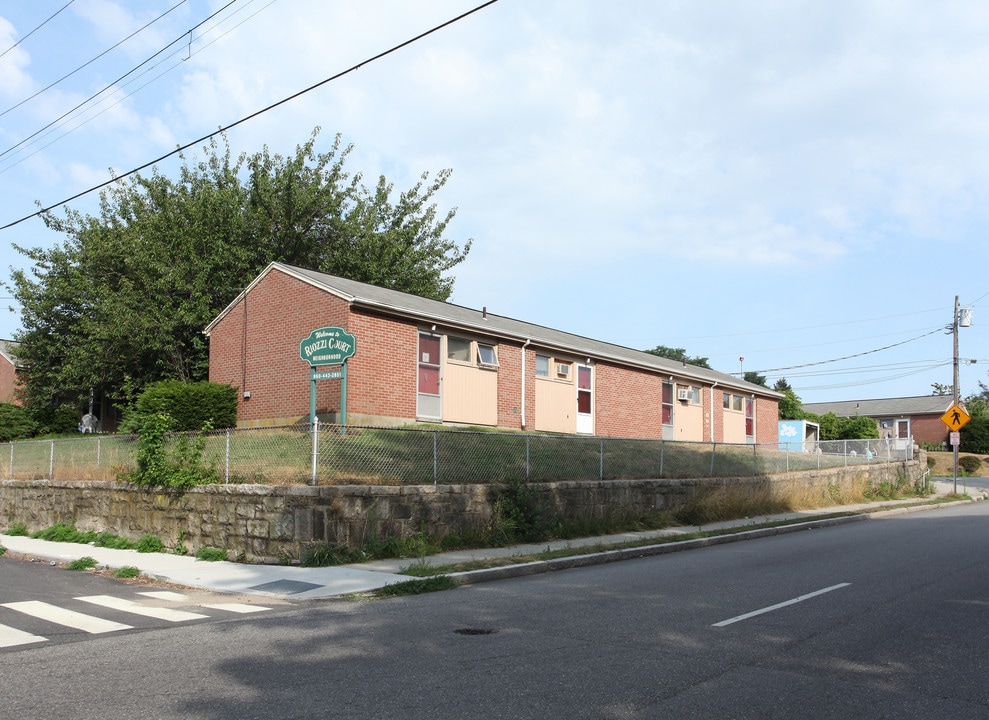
{"x":236,"y":607}
{"x":69,"y":618}
{"x":130,"y":606}
{"x":164,"y":595}
{"x":11,"y":636}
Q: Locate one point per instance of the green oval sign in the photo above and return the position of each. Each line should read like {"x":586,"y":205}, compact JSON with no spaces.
{"x":327,"y":346}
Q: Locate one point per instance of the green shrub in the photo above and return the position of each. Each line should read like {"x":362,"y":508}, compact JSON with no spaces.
{"x":15,"y":423}
{"x":54,"y":420}
{"x":517,"y":516}
{"x":970,"y":463}
{"x":109,"y":540}
{"x":2,"y":549}
{"x":190,"y":405}
{"x":975,"y":435}
{"x":416,"y":587}
{"x":127,"y":571}
{"x":211,"y":554}
{"x":839,"y":428}
{"x":931,"y":462}
{"x":149,"y":544}
{"x":66,"y":532}
{"x":83,"y":563}
{"x":17,"y":528}
{"x":158,"y":465}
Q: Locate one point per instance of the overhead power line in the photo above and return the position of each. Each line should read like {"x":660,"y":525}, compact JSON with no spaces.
{"x":846,"y":357}
{"x":337,"y":76}
{"x":87,"y":63}
{"x":870,"y":382}
{"x":96,"y":112}
{"x":110,"y":85}
{"x":36,"y":29}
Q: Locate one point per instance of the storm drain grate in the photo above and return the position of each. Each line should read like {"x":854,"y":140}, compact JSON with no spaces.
{"x":475,"y":631}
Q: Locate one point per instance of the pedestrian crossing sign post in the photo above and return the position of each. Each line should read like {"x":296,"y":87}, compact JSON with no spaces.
{"x":955,"y":418}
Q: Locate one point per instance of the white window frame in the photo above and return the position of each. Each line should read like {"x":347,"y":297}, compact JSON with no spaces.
{"x":493,"y":362}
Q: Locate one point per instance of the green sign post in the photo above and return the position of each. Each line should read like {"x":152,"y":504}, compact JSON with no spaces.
{"x":324,"y":347}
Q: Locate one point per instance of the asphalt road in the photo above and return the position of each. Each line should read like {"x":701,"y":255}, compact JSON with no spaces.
{"x":878,"y":619}
{"x":43,"y":603}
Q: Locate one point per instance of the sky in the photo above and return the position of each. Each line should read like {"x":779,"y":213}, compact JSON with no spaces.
{"x":793,"y":188}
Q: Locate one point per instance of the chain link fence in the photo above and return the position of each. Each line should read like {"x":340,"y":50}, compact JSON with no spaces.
{"x":336,"y":455}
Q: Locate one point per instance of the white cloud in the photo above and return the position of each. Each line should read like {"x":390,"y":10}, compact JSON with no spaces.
{"x":728,"y":153}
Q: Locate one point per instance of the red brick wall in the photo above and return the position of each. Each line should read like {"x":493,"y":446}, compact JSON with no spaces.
{"x":628,"y":403}
{"x":767,"y":428}
{"x":928,"y":429}
{"x":382,"y":374}
{"x":264,"y":361}
{"x":8,"y":382}
{"x":719,"y":413}
{"x":510,"y":384}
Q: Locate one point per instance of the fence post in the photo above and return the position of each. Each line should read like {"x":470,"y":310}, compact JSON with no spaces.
{"x":714,"y":447}
{"x":226,"y":461}
{"x":99,"y":447}
{"x":755,"y":459}
{"x":844,"y":451}
{"x":51,"y":461}
{"x":436,"y":459}
{"x":787,"y":457}
{"x":11,"y":461}
{"x":528,"y":459}
{"x":662,"y":455}
{"x":601,"y":461}
{"x":315,"y":447}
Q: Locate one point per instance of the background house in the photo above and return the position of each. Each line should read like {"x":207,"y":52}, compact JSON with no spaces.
{"x":9,"y":368}
{"x":423,"y":360}
{"x":898,"y":418}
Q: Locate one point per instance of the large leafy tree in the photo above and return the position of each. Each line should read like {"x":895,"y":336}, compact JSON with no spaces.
{"x":790,"y":407}
{"x":679,"y":354}
{"x":122,"y":302}
{"x":755,"y":378}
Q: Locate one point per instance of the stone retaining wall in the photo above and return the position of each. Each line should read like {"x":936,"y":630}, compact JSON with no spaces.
{"x":271,"y":523}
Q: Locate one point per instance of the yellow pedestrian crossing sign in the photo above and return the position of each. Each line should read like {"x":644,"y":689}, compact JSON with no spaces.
{"x":955,"y":418}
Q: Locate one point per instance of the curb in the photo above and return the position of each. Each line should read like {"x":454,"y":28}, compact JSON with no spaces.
{"x":538,"y":567}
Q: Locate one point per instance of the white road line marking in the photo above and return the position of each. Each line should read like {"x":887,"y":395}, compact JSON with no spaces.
{"x":164,"y":595}
{"x":11,"y":636}
{"x":236,"y":607}
{"x":69,"y":618}
{"x":808,"y":596}
{"x":130,"y":606}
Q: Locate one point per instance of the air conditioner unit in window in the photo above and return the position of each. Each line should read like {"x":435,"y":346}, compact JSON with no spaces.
{"x":562,"y":369}
{"x":685,"y":394}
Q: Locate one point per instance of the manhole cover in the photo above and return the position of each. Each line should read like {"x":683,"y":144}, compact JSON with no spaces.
{"x":475,"y":631}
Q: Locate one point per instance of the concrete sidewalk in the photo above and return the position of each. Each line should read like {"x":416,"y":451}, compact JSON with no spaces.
{"x":296,"y":583}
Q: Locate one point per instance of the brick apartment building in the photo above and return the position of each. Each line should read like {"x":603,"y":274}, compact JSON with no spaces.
{"x":423,"y":360}
{"x":9,"y":368}
{"x":900,"y":419}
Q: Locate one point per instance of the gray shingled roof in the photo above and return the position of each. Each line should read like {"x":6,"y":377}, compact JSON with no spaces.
{"x":8,"y":350}
{"x":482,"y":322}
{"x":886,"y":407}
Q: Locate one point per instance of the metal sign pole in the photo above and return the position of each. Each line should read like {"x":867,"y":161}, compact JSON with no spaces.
{"x":343,"y":400}
{"x":312,"y":395}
